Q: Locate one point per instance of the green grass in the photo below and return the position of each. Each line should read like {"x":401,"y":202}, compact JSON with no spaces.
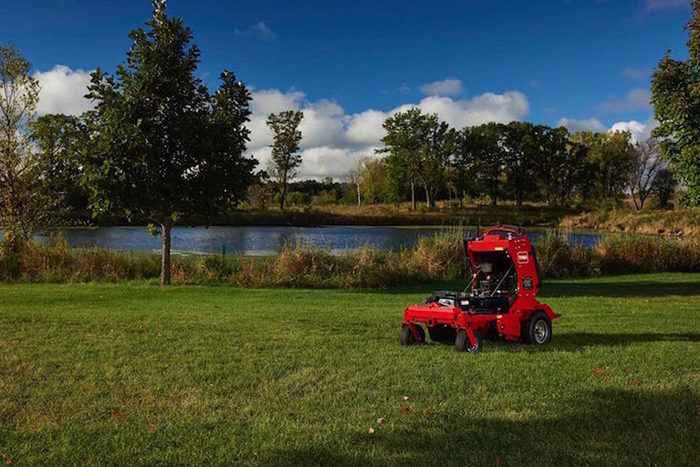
{"x":132,"y":373}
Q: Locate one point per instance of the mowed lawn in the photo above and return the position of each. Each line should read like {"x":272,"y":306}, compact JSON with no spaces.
{"x":133,"y":373}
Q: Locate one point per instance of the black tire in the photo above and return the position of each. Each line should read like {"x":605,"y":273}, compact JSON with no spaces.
{"x":462,"y":343}
{"x":407,"y":336}
{"x":538,"y":329}
{"x":442,"y":333}
{"x":421,"y":333}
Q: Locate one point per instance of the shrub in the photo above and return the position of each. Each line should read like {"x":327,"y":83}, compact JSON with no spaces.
{"x":433,"y":259}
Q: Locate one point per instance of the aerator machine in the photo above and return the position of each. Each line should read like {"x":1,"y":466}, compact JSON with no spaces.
{"x":501,"y":302}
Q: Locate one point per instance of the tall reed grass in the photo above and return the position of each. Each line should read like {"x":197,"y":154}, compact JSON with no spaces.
{"x":438,"y":258}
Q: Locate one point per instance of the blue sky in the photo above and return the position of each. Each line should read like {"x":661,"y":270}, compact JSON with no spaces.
{"x":583,"y":63}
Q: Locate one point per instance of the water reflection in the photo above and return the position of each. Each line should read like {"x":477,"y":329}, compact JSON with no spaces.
{"x":267,"y":240}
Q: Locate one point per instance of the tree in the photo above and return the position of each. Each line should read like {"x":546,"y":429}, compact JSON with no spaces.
{"x":61,"y":141}
{"x":483,"y":146}
{"x":27,"y":201}
{"x":675,"y":89}
{"x":521,"y":149}
{"x":646,"y":167}
{"x":664,"y":186}
{"x":161,"y":144}
{"x":373,"y":180}
{"x":354,"y":177}
{"x":434,"y":156}
{"x":612,"y":157}
{"x":285,"y":146}
{"x":405,"y":136}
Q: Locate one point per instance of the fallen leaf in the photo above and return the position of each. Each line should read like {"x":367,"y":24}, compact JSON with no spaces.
{"x":634,"y":382}
{"x":380,"y":420}
{"x":8,"y":461}
{"x":597,"y":370}
{"x":116,"y":414}
{"x":151,"y":427}
{"x":404,"y":410}
{"x":405,"y":398}
{"x":370,"y":431}
{"x":428,"y":410}
{"x":160,"y":334}
{"x":67,"y":324}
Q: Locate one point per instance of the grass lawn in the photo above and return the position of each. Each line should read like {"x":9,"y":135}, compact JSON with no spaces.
{"x":132,"y":373}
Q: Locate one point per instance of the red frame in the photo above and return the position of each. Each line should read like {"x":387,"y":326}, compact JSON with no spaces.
{"x":517,"y":244}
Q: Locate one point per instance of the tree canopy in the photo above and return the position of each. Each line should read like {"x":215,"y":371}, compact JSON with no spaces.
{"x":675,"y":91}
{"x":162,"y":145}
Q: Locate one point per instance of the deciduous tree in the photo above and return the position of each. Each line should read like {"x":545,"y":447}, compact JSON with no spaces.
{"x":646,"y":167}
{"x":286,"y":158}
{"x":161,"y":144}
{"x":27,"y":199}
{"x":675,"y":91}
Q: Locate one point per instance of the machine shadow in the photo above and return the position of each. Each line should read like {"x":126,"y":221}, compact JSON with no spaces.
{"x":611,"y":427}
{"x":578,"y":340}
{"x":648,"y":288}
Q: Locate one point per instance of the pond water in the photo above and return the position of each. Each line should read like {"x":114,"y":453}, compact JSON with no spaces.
{"x":267,"y":240}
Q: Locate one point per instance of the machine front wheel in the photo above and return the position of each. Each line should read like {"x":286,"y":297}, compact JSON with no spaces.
{"x":462,"y":343}
{"x":407,"y":337}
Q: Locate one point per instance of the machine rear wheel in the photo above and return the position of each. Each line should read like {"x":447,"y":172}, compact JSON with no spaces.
{"x":462,"y":343}
{"x":538,"y":329}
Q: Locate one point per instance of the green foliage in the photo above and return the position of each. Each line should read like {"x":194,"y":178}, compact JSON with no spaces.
{"x":161,"y":144}
{"x":28,"y":200}
{"x":676,"y":101}
{"x":285,"y":146}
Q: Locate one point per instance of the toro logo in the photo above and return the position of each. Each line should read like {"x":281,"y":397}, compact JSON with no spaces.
{"x":522,"y":257}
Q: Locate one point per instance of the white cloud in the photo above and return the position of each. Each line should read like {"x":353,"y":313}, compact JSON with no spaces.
{"x":636,"y":99}
{"x":636,"y":74}
{"x":446,"y":87}
{"x":332,"y":138}
{"x":639,"y":131}
{"x":590,"y":124}
{"x":63,"y":91}
{"x":259,"y":30}
{"x":663,"y":5}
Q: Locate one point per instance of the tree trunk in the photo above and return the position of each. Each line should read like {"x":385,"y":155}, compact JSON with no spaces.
{"x":165,"y":254}
{"x":359,"y":200}
{"x":427,"y":195}
{"x":284,"y":195}
{"x":413,"y":193}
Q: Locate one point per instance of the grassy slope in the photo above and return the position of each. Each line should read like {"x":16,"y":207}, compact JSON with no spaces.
{"x":135,"y":373}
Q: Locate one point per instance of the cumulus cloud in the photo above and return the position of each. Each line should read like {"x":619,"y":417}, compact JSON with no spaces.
{"x":636,"y":99}
{"x":332,"y":139}
{"x":62,"y":91}
{"x":663,"y":5}
{"x":446,"y":87}
{"x":636,"y":74}
{"x":589,"y":124}
{"x":259,"y":30}
{"x":639,"y":131}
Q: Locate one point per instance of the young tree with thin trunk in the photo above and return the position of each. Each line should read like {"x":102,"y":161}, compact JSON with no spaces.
{"x":286,"y":158}
{"x":27,"y":201}
{"x":646,"y":167}
{"x":354,"y":177}
{"x":161,"y":145}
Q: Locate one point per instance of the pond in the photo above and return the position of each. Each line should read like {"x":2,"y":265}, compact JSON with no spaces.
{"x":267,"y":240}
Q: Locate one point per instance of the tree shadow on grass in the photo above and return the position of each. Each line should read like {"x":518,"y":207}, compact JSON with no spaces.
{"x":612,"y":427}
